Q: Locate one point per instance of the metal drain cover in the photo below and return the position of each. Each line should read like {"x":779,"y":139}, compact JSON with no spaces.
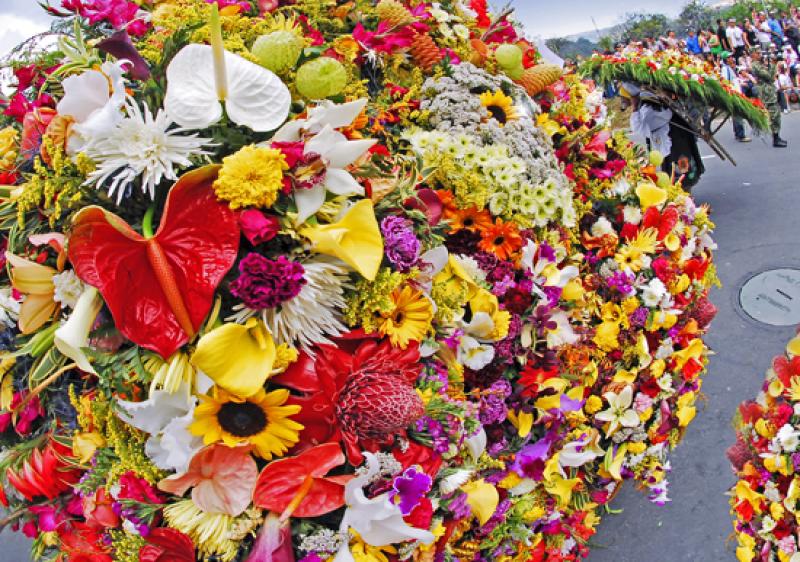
{"x":773,"y":297}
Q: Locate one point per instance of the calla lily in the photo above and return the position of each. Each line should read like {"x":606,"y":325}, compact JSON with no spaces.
{"x":337,"y":153}
{"x":482,"y":498}
{"x":73,"y":336}
{"x":237,"y":358}
{"x":221,"y":477}
{"x":355,"y":239}
{"x":200,"y":78}
{"x":650,"y":195}
{"x":35,"y":281}
{"x":476,"y":444}
{"x":377,"y":520}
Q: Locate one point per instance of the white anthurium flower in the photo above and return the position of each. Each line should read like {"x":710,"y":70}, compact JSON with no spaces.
{"x":72,"y":336}
{"x":326,"y":114}
{"x":201,"y":78}
{"x":166,"y":417}
{"x":619,"y":412}
{"x":579,"y":452}
{"x":378,"y":520}
{"x":337,"y":153}
{"x":94,"y":99}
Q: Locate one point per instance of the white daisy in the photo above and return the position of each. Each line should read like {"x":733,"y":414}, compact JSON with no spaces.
{"x":314,"y":314}
{"x":141,"y":146}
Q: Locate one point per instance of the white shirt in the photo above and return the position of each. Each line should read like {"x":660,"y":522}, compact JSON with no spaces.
{"x":729,"y":75}
{"x":735,"y":36}
{"x":784,"y":82}
{"x":764,"y":33}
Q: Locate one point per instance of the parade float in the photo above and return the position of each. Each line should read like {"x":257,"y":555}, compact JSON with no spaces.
{"x":354,"y":281}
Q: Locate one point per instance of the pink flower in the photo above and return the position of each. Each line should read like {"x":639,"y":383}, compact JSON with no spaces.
{"x":223,"y":479}
{"x":258,"y":227}
{"x":47,"y":517}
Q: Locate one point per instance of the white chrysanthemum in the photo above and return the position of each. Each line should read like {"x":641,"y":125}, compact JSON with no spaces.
{"x":454,"y":481}
{"x":314,"y":315}
{"x":9,"y":308}
{"x":141,"y":146}
{"x":653,"y":293}
{"x":632,"y":215}
{"x":67,"y":288}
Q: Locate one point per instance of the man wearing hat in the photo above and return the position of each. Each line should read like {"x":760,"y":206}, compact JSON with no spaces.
{"x":765,"y":73}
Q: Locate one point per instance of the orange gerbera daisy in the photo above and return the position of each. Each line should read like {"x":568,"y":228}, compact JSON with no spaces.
{"x":501,"y":239}
{"x":471,"y":219}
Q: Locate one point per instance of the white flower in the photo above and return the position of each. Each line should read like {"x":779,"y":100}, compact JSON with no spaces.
{"x":583,"y":450}
{"x":788,"y":438}
{"x":329,"y":114}
{"x":9,"y":309}
{"x":473,"y":354}
{"x":141,"y":145}
{"x":631,"y":214}
{"x":67,"y":288}
{"x":88,"y":100}
{"x":602,"y":227}
{"x":619,"y":412}
{"x":454,"y":481}
{"x":653,"y":293}
{"x":166,"y":417}
{"x":621,"y":188}
{"x":471,"y":266}
{"x":377,"y":520}
{"x":563,"y":334}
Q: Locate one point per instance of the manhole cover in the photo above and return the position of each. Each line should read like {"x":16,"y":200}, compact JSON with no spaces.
{"x":773,"y":297}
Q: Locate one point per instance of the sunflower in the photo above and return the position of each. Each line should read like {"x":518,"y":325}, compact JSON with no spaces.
{"x":410,"y":319}
{"x":261,"y":420}
{"x":471,"y":219}
{"x":501,"y":239}
{"x":500,"y":106}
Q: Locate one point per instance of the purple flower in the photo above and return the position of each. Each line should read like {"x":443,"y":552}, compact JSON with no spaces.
{"x":409,"y":488}
{"x":530,"y":461}
{"x":459,"y":506}
{"x":493,"y":403}
{"x":265,"y":283}
{"x":639,"y":317}
{"x":402,"y":246}
{"x":622,"y":282}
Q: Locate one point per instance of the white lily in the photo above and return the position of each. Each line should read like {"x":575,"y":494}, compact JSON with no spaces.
{"x":619,"y":412}
{"x":73,"y":335}
{"x":94,"y":99}
{"x":200,"y":78}
{"x":378,"y":521}
{"x":166,"y":417}
{"x":335,"y":150}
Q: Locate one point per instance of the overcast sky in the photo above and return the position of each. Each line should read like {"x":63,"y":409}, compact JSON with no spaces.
{"x":20,"y":19}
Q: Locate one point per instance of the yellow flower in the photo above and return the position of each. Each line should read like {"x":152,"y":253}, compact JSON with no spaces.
{"x":593,"y":404}
{"x":499,"y":106}
{"x":562,"y":488}
{"x":85,"y":444}
{"x":363,"y":552}
{"x":8,"y":148}
{"x":252,"y":177}
{"x":630,"y":258}
{"x":686,"y":410}
{"x":646,"y":241}
{"x":208,"y":531}
{"x":261,"y":420}
{"x":35,"y":281}
{"x":636,"y":448}
{"x":238,"y":358}
{"x":549,"y":126}
{"x":410,"y":319}
{"x":523,"y":421}
{"x":743,"y":491}
{"x":170,"y":374}
{"x":607,"y":336}
{"x":482,"y":498}
{"x":454,"y":280}
{"x":746,"y":550}
{"x":486,"y":302}
{"x":650,"y":195}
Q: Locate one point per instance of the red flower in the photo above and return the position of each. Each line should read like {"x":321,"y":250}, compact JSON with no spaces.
{"x":160,"y":289}
{"x":82,"y":543}
{"x":417,"y":454}
{"x":362,"y":398}
{"x":167,"y":545}
{"x":664,"y":221}
{"x":98,"y":510}
{"x":532,"y":378}
{"x":44,"y":473}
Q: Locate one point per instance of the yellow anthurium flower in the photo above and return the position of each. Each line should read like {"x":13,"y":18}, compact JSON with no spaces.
{"x":650,"y":195}
{"x":694,"y":351}
{"x":35,"y":281}
{"x":686,"y":410}
{"x":562,"y":488}
{"x":482,"y":498}
{"x":356,"y":239}
{"x":238,"y":358}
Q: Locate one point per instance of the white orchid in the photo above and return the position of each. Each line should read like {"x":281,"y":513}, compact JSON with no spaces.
{"x":94,"y":99}
{"x":201,"y":78}
{"x":582,"y":450}
{"x":545,"y":271}
{"x":378,"y":521}
{"x":334,"y":150}
{"x":619,"y":412}
{"x":166,"y":417}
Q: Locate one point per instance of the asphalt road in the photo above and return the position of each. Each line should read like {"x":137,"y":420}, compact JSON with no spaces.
{"x":755,"y":208}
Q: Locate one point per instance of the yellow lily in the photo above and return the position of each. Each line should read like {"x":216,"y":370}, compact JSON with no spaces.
{"x":482,"y":498}
{"x":238,"y":358}
{"x":35,"y":281}
{"x":694,"y":351}
{"x":356,"y":239}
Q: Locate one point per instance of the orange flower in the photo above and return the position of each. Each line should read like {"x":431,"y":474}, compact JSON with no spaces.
{"x":471,"y":219}
{"x":501,"y":239}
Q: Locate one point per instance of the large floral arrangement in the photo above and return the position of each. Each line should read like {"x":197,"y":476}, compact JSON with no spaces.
{"x":765,"y":457}
{"x":679,"y":74}
{"x":393,"y":308}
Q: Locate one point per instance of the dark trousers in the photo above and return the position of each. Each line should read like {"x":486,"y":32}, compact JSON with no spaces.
{"x":738,"y":128}
{"x":738,"y":53}
{"x":783,"y":100}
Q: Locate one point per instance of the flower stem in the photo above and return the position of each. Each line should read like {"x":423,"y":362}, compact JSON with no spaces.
{"x":147,"y":222}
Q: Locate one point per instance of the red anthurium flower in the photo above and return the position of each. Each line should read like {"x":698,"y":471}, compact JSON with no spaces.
{"x":160,"y":289}
{"x":786,"y":369}
{"x":298,"y":485}
{"x":167,"y":545}
{"x":664,"y":221}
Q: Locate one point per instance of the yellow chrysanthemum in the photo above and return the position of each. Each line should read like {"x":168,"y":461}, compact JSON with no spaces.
{"x":646,"y":241}
{"x":410,"y":319}
{"x":260,"y":420}
{"x":630,"y":258}
{"x":8,"y":148}
{"x":499,"y":106}
{"x":252,"y":177}
{"x":209,"y":531}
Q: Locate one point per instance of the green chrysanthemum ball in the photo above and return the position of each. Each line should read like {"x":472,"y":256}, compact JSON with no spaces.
{"x":321,"y":78}
{"x":278,"y":51}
